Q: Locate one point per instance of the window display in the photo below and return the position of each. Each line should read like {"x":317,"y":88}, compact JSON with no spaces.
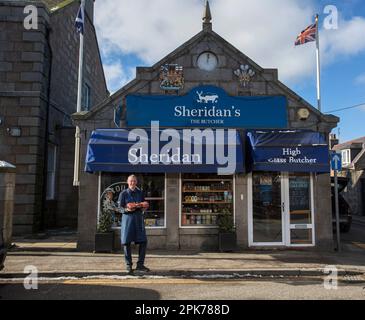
{"x":153,"y":187}
{"x":204,"y":198}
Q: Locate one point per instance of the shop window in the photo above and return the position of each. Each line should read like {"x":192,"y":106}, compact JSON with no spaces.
{"x":51,"y":172}
{"x":205,"y":197}
{"x":153,"y":187}
{"x":267,"y":207}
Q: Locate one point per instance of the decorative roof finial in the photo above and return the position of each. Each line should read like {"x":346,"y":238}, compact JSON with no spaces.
{"x":207,"y":17}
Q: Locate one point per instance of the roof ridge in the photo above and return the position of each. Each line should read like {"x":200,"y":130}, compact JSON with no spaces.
{"x":357,"y":140}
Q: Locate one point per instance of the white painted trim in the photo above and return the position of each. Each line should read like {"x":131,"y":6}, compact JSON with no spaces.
{"x":286,"y":226}
{"x":165,"y":220}
{"x":234,"y":200}
{"x":249,"y":210}
{"x":285,"y":207}
{"x":309,"y":226}
{"x":99,"y":195}
{"x":251,"y":243}
{"x":313,"y":211}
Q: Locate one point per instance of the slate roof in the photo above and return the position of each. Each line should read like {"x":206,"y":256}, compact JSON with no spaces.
{"x":348,"y":144}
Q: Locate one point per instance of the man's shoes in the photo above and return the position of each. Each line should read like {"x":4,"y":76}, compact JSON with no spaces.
{"x":142,"y":269}
{"x":129,"y":270}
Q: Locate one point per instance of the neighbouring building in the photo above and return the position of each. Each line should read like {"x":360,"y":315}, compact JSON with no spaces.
{"x":353,"y":168}
{"x":38,"y":93}
{"x":278,"y":193}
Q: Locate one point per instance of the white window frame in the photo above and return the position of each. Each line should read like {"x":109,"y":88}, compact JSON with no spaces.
{"x":285,"y":209}
{"x":165,"y":220}
{"x":251,"y":243}
{"x":289,"y":226}
{"x":346,"y":157}
{"x":202,"y":226}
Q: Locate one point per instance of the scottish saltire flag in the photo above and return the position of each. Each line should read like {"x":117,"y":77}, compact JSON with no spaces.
{"x":307,"y":35}
{"x":79,"y":23}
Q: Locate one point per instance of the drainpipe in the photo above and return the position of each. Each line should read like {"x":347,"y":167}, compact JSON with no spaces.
{"x":46,"y":134}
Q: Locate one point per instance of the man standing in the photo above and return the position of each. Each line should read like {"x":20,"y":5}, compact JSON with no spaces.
{"x":132,"y":203}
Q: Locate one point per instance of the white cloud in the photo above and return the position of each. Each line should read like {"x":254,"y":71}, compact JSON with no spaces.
{"x":348,"y":40}
{"x":117,"y":76}
{"x":360,"y":80}
{"x":264,"y":30}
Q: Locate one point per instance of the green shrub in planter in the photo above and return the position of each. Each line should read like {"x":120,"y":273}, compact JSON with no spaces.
{"x":227,"y":233}
{"x":104,"y":238}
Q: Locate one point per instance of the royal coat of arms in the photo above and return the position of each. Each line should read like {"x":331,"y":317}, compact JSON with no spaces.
{"x":171,"y":77}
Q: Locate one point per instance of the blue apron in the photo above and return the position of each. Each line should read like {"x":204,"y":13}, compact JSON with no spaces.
{"x":133,"y":228}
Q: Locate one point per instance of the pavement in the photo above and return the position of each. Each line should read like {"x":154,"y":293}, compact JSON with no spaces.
{"x":56,"y":256}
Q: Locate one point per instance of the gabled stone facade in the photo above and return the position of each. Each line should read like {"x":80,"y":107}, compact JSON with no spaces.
{"x":264,"y":83}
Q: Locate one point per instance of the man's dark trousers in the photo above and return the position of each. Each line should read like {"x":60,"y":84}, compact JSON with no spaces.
{"x":141,"y":254}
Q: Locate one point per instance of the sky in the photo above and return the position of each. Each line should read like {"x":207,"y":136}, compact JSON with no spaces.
{"x":135,"y":33}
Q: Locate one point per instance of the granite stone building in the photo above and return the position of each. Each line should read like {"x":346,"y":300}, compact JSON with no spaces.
{"x":38,"y":93}
{"x":197,"y":86}
{"x":353,"y":168}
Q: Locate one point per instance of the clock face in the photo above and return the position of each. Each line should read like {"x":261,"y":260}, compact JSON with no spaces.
{"x":207,"y":61}
{"x":303,"y":113}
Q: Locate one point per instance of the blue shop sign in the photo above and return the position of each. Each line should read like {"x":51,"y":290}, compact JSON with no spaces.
{"x":291,"y":151}
{"x":207,"y":106}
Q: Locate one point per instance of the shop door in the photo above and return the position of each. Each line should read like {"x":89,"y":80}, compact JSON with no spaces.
{"x":280,"y":209}
{"x":298,"y":209}
{"x":266,"y":212}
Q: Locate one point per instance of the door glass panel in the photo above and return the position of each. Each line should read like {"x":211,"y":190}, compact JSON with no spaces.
{"x":301,"y":236}
{"x":267,"y":211}
{"x":299,"y":199}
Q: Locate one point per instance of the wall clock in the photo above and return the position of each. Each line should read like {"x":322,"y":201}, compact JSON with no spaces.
{"x":207,"y":61}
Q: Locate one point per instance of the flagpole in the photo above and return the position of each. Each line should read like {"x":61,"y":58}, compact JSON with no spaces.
{"x":76,"y":181}
{"x":318,"y":67}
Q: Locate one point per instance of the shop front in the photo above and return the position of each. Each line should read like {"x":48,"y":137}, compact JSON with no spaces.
{"x":209,"y":134}
{"x":278,"y":168}
{"x":284,"y":166}
{"x":202,"y":194}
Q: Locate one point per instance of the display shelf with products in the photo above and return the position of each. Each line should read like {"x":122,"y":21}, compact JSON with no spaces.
{"x":204,"y":198}
{"x":154,"y":216}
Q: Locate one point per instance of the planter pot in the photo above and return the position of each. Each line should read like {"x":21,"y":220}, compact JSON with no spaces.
{"x":227,"y":241}
{"x":2,"y":258}
{"x":104,"y":242}
{"x":2,"y":251}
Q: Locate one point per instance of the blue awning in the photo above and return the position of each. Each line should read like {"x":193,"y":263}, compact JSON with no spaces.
{"x":288,"y":151}
{"x":109,"y":150}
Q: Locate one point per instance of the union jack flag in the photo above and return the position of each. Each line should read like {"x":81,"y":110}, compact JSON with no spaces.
{"x":307,"y":35}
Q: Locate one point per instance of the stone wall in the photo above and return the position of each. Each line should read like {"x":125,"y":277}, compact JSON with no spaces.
{"x":27,"y":59}
{"x":354,"y":193}
{"x":23,"y":102}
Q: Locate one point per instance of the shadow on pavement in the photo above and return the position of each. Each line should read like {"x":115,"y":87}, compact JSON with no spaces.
{"x":76,"y":292}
